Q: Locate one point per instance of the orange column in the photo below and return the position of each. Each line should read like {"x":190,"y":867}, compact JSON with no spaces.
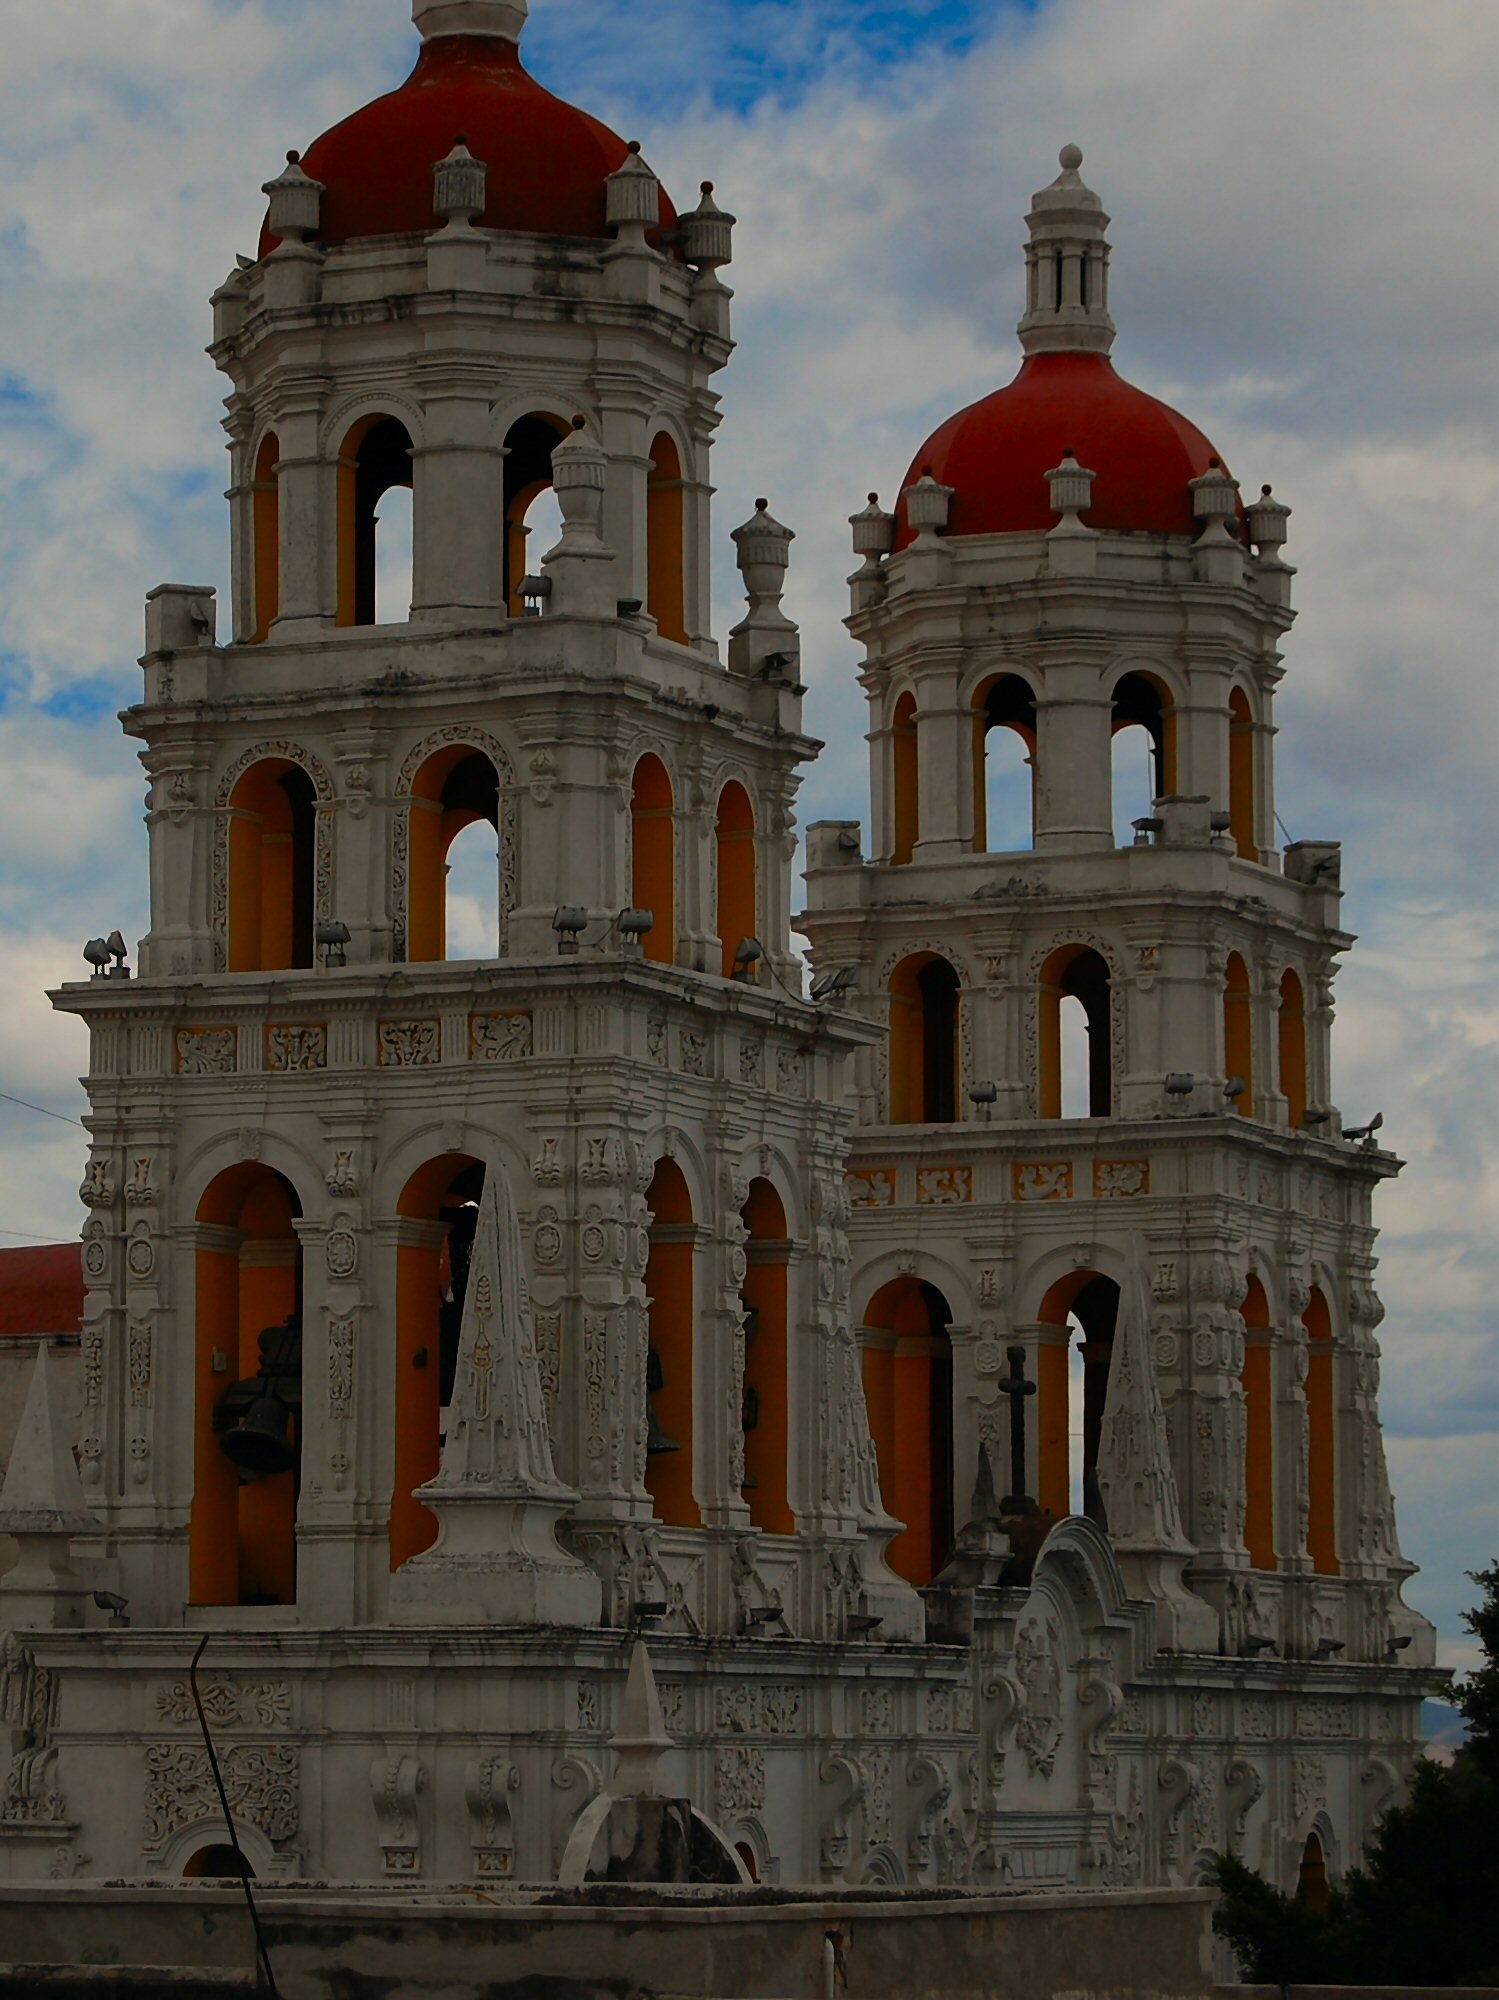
{"x":668,"y":1283}
{"x":413,"y":1526}
{"x":213,"y":1532}
{"x":1054,"y":1473}
{"x":879,"y":1396}
{"x":1321,"y":1409}
{"x":267,"y":1507}
{"x":426,"y":898}
{"x":767,"y":1447}
{"x":1259,"y":1450}
{"x":910,"y":1554}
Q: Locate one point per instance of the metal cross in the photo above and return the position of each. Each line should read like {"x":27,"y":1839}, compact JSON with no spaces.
{"x":1017,"y":1500}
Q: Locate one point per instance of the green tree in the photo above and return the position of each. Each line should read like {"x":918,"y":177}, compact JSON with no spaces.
{"x":1424,"y":1908}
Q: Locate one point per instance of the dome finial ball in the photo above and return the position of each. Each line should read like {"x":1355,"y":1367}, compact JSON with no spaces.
{"x":1070,"y":158}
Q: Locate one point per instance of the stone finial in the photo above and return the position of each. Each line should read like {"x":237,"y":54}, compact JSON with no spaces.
{"x":1215,"y":500}
{"x":296,"y":201}
{"x":42,"y":1505}
{"x":580,"y":466}
{"x":927,"y":505}
{"x":632,"y":197}
{"x":874,"y":532}
{"x":1266,"y":518}
{"x":504,"y":18}
{"x":1071,"y":485}
{"x":1137,"y":1484}
{"x":765,"y":634}
{"x":458,"y":193}
{"x":708,"y":233}
{"x":1067,"y":267}
{"x":1072,"y":546}
{"x":641,"y":1740}
{"x":496,"y":1496}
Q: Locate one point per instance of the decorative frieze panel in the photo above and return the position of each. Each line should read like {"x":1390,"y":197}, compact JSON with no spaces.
{"x":408,"y":1044}
{"x":499,"y":1038}
{"x":765,"y":1708}
{"x":206,"y":1051}
{"x":261,"y":1780}
{"x":1042,"y":1180}
{"x":871,"y":1187}
{"x":227,"y":1704}
{"x":1120,"y":1180}
{"x":289,"y":1049}
{"x":944,"y":1187}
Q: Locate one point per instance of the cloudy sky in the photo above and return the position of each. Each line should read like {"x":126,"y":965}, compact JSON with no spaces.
{"x":1303,"y":195}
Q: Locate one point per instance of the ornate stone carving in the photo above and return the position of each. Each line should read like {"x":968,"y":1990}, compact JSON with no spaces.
{"x":262,"y":1781}
{"x":876,"y":1712}
{"x":340,"y":1369}
{"x":341,"y":1180}
{"x":499,"y":1038}
{"x":770,"y":1708}
{"x":408,"y":1044}
{"x":1039,"y":1730}
{"x":488,"y":1783}
{"x":872,"y":1187}
{"x":98,"y":1189}
{"x":738,"y":1779}
{"x":227,"y":1704}
{"x":1043,"y":1180}
{"x":206,"y":1051}
{"x":1308,"y":1787}
{"x":944,"y":1186}
{"x":139,"y":1363}
{"x":341,"y":1253}
{"x":546,"y":1168}
{"x":692,"y":1052}
{"x":395,"y":1785}
{"x":1120,"y":1180}
{"x":296,"y":1048}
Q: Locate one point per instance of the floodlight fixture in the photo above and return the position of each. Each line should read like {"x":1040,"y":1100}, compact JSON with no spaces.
{"x":1144,"y":828}
{"x":748,"y":956}
{"x":1365,"y":1132}
{"x":114,"y":944}
{"x":533,"y":592}
{"x":331,"y":938}
{"x":632,"y":924}
{"x":96,"y":951}
{"x":1180,"y":1083}
{"x":568,"y":919}
{"x":985,"y":1094}
{"x":1220,"y":822}
{"x":1327,"y":1647}
{"x":1234,"y":1086}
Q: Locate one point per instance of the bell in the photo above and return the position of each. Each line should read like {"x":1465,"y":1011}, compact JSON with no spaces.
{"x":656,"y":1440}
{"x":262,"y":1444}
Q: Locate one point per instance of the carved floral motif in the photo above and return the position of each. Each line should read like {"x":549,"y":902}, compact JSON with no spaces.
{"x":1043,"y":1180}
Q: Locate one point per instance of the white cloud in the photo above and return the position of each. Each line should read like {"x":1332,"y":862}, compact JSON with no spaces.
{"x":1304,"y":261}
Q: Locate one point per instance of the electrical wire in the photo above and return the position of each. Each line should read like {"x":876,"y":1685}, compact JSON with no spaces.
{"x":26,"y":1105}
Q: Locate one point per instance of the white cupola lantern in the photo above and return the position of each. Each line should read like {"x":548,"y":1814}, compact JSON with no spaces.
{"x":927,"y":504}
{"x":708,"y":233}
{"x":296,"y":202}
{"x":632,"y":196}
{"x":502,"y":18}
{"x":458,"y":186}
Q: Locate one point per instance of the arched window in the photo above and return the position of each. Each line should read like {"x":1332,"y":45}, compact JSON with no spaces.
{"x":1004,"y":791}
{"x":376,"y":457}
{"x":265,"y":504}
{"x":217,"y":1861}
{"x":456,"y":789}
{"x":1075,"y":972}
{"x":1241,"y":813}
{"x":272,"y":840}
{"x":1291,"y":1035}
{"x":666,"y":576}
{"x":906,"y":786}
{"x":908,"y":1387}
{"x":1312,"y":1886}
{"x":242,"y":1537}
{"x":1072,"y":1382}
{"x":1322,"y":1438}
{"x":767,"y":1437}
{"x":1259,"y":1428}
{"x":670,"y":1369}
{"x":1143,"y":750}
{"x":529,"y":444}
{"x":737,"y":909}
{"x":653,"y":857}
{"x":1238,"y":1032}
{"x":438,"y":1211}
{"x":923,"y":1041}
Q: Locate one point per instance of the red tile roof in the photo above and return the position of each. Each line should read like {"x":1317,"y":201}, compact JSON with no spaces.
{"x":41,"y":1290}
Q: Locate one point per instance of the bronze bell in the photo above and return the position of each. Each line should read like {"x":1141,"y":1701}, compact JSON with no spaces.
{"x":261,"y":1446}
{"x":656,"y":1440}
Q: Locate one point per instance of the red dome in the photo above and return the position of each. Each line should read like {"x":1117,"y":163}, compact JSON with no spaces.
{"x":996,"y":453}
{"x":41,"y":1290}
{"x":547,"y":160}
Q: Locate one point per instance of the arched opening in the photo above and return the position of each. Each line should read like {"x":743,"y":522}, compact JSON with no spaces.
{"x":272,"y":843}
{"x":653,"y":857}
{"x":1004,"y":791}
{"x":906,"y":788}
{"x":1259,"y":1428}
{"x":1075,"y":972}
{"x":265,"y":503}
{"x":767,"y":1438}
{"x":1312,"y":1886}
{"x":457,"y":788}
{"x":1322,"y":1438}
{"x":1291,"y":1039}
{"x":242,"y":1536}
{"x":1241,"y":774}
{"x":1143,"y":750}
{"x":750,"y":1859}
{"x":738,"y":916}
{"x":1072,"y":1383}
{"x":1238,"y":1032}
{"x":923,"y":1041}
{"x":669,"y":1475}
{"x":218,"y":1861}
{"x":908,"y":1387}
{"x":438,"y":1211}
{"x":376,"y":457}
{"x":529,"y":444}
{"x":665,"y":517}
{"x":395,"y":556}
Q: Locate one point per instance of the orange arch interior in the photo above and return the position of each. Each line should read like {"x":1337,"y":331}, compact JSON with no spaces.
{"x":924,"y":1000}
{"x":1322,"y":1437}
{"x":242,"y":1539}
{"x":429,"y":1309}
{"x":529,"y":444}
{"x":669,"y":1284}
{"x":1241,"y":813}
{"x":272,"y":838}
{"x":1291,"y":1028}
{"x":457,"y":786}
{"x":665,"y":518}
{"x":1259,"y":1427}
{"x":266,"y":526}
{"x":653,"y":857}
{"x":767,"y":1439}
{"x":737,"y":914}
{"x":1145,"y":699}
{"x":908,"y":1387}
{"x":907,"y":789}
{"x":1238,"y":1031}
